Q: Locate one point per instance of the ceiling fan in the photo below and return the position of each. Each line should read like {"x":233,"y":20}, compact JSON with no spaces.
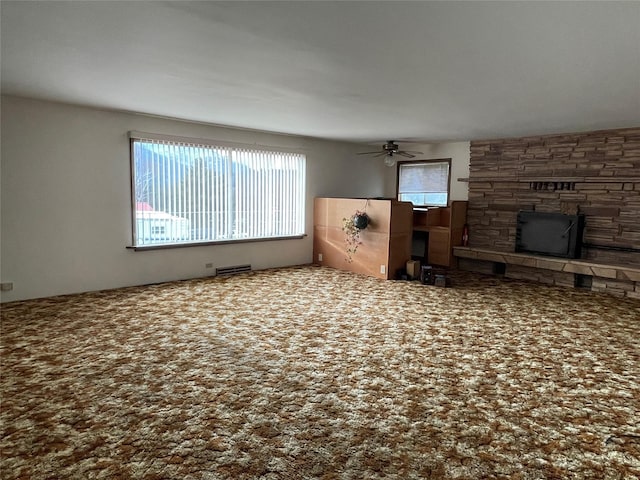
{"x":390,"y":149}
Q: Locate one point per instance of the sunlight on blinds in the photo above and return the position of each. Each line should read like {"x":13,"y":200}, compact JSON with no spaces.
{"x":424,"y":182}
{"x":192,"y":193}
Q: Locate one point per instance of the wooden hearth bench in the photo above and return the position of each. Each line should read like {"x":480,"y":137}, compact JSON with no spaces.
{"x":619,"y":280}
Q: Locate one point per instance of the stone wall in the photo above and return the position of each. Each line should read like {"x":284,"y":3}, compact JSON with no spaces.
{"x":596,"y":173}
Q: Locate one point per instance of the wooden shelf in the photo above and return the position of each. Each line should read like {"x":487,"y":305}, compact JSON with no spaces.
{"x":444,"y":226}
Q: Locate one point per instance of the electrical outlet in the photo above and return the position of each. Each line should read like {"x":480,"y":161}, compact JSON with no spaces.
{"x":208,"y":265}
{"x":383,"y":269}
{"x":319,"y":257}
{"x":6,"y":286}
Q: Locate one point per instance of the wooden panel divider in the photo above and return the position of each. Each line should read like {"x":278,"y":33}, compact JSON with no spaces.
{"x":386,"y":242}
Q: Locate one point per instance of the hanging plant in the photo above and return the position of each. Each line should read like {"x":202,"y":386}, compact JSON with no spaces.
{"x":352,"y":226}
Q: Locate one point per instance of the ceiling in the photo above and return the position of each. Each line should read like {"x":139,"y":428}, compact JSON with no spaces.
{"x":355,"y":71}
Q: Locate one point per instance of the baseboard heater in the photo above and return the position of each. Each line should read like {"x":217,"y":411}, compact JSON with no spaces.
{"x":233,"y":270}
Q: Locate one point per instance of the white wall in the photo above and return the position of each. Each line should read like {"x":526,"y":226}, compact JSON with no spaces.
{"x":458,"y":152}
{"x":65,"y":199}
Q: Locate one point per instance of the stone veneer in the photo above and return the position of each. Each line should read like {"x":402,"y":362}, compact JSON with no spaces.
{"x":596,"y":174}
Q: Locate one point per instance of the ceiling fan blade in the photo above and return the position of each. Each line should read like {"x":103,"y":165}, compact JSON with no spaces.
{"x":368,"y":153}
{"x":380,"y":154}
{"x":413,"y":152}
{"x":405,"y":154}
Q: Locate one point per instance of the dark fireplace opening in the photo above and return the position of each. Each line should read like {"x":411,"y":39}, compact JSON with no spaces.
{"x":552,"y":234}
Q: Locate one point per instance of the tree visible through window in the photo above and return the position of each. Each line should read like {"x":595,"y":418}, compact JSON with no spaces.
{"x":424,"y":182}
{"x":193,"y":193}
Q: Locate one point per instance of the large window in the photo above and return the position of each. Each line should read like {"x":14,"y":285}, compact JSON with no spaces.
{"x":424,"y":182}
{"x":188,"y":192}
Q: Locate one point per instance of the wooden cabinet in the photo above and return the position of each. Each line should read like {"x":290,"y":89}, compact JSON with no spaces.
{"x":386,"y":242}
{"x":444,"y":226}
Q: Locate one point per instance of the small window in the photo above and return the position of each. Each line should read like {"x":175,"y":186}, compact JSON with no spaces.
{"x":191,"y":192}
{"x":425,"y":183}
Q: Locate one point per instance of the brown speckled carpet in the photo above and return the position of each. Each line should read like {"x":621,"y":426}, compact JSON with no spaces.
{"x":313,"y":373}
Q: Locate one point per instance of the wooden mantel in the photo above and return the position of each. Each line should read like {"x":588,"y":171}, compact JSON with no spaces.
{"x":386,"y":242}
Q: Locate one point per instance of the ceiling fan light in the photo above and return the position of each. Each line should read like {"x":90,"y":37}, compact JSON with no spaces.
{"x":389,"y":161}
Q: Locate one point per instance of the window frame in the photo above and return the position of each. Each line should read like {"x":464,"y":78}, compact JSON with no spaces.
{"x":422,"y":162}
{"x":143,"y":136}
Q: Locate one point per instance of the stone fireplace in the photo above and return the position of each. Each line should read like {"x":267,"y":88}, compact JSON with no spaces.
{"x":595,"y":174}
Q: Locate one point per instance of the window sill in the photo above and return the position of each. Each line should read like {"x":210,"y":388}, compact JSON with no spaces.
{"x":142,"y":248}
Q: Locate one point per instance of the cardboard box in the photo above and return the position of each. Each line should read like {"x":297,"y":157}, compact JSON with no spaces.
{"x":413,"y":269}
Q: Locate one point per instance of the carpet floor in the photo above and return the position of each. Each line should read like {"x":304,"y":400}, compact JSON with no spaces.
{"x":314,"y":373}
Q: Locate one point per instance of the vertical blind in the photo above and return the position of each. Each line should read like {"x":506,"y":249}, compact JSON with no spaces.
{"x":188,"y":192}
